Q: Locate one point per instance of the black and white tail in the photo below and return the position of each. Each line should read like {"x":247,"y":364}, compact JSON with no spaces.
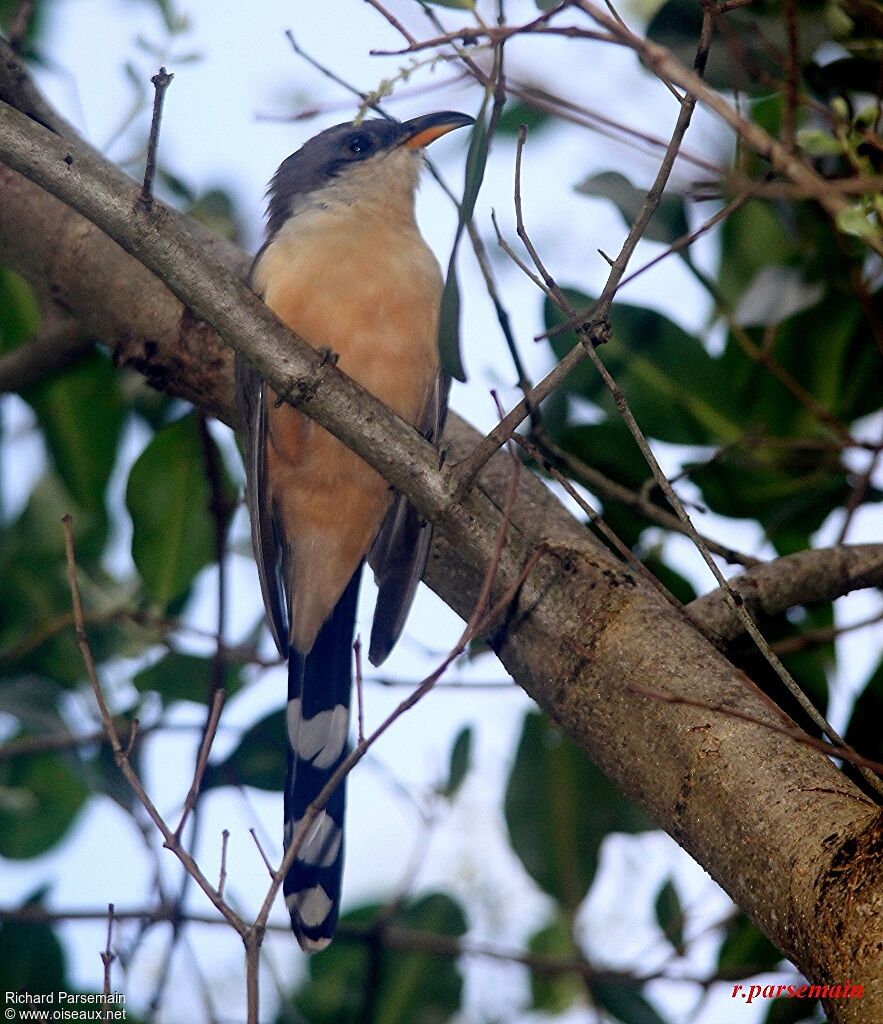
{"x":319,"y":686}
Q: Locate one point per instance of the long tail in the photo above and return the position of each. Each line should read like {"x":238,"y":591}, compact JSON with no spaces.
{"x":319,"y":686}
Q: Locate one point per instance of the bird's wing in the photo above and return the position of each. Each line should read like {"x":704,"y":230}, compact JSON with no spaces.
{"x":398,"y":555}
{"x":266,"y":536}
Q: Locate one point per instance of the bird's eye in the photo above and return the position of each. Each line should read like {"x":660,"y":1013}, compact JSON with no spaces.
{"x":360,"y":144}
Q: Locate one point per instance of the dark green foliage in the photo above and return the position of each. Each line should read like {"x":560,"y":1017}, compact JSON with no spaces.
{"x":179,"y":676}
{"x":670,"y":916}
{"x":170,"y":500}
{"x":356,"y":981}
{"x":461,"y":755}
{"x":41,"y":797}
{"x":559,"y":809}
{"x":669,"y":220}
{"x":625,"y":1003}
{"x":554,"y":992}
{"x":31,"y":956}
{"x":865,"y":731}
{"x":258,"y":759}
{"x":746,"y":950}
{"x":757,"y":39}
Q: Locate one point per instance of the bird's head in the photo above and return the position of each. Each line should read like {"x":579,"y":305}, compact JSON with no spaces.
{"x":377,"y":160}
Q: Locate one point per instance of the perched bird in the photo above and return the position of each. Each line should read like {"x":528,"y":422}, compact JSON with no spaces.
{"x":345,"y":267}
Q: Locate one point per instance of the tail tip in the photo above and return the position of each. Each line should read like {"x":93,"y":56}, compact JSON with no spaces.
{"x":311,"y":918}
{"x":309,"y":945}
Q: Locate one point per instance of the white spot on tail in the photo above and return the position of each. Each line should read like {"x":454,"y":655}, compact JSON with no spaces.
{"x":311,"y":906}
{"x":322,"y":843}
{"x":319,"y":739}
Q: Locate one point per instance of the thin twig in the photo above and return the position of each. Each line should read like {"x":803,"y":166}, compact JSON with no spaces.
{"x":107,"y":958}
{"x":360,"y":700}
{"x":859,"y":492}
{"x":396,"y":938}
{"x":662,"y":62}
{"x":792,"y":83}
{"x":393,"y":20}
{"x":597,"y":520}
{"x":596,"y":330}
{"x":843,"y":752}
{"x":161,"y":81}
{"x":169,"y":838}
{"x":222,"y":878}
{"x":640,"y":503}
{"x":816,"y":637}
{"x":205,"y":747}
{"x":261,"y":851}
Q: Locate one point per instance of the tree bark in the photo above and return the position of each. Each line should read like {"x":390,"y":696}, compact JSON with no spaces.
{"x":794,"y":843}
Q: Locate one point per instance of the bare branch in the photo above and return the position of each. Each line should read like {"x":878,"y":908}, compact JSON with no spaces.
{"x":122,"y":760}
{"x":808,"y":577}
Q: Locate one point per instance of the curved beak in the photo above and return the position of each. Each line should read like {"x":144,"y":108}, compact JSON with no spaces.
{"x":420,"y":131}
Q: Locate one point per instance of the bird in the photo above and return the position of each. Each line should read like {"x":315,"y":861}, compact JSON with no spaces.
{"x":345,"y":267}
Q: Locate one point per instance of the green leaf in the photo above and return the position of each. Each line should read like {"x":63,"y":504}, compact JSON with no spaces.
{"x":864,"y":732}
{"x":419,"y":986}
{"x":752,"y":237}
{"x":179,"y":676}
{"x":34,"y":703}
{"x":554,"y":992}
{"x":559,"y":809}
{"x":258,"y":760}
{"x":169,"y":499}
{"x":19,"y":312}
{"x":353,"y":982}
{"x":461,"y":753}
{"x":463,"y":5}
{"x":746,"y":950}
{"x":818,"y":142}
{"x":216,"y":209}
{"x":516,"y":114}
{"x":40,"y":796}
{"x":34,"y":590}
{"x":670,"y":916}
{"x":80,"y":412}
{"x":79,"y":409}
{"x":856,"y":220}
{"x":625,"y":1004}
{"x":449,"y":317}
{"x":669,"y":221}
{"x":790,"y":494}
{"x":31,"y":956}
{"x":656,"y":364}
{"x":449,"y":325}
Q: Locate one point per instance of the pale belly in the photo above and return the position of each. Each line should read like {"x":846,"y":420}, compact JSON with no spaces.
{"x":372,"y":297}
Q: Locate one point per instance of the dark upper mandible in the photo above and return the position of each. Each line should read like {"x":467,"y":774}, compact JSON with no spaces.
{"x":323,"y":157}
